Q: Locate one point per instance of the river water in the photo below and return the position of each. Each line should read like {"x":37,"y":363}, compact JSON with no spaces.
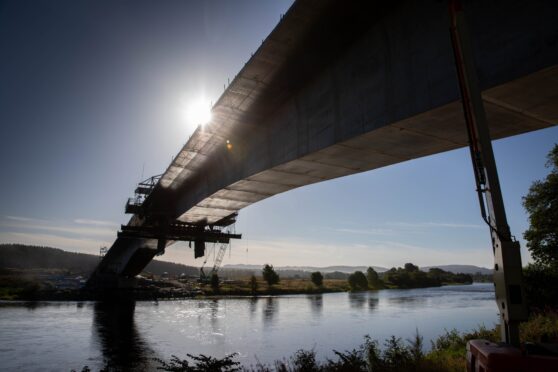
{"x":58,"y":336}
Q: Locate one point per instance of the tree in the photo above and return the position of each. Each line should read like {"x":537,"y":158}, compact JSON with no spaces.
{"x":214,"y":282}
{"x":317,"y":278}
{"x":357,"y":280}
{"x":374,"y":280}
{"x":541,"y":204}
{"x":411,"y":268}
{"x":253,"y":284}
{"x":269,"y":275}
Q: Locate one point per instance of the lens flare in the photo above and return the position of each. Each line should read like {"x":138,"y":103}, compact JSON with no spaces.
{"x":198,"y":112}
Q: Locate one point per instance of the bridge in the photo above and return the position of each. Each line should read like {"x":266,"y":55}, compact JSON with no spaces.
{"x":339,"y":88}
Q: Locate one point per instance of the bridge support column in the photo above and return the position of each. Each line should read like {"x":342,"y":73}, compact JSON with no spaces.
{"x":103,"y":281}
{"x":507,"y":256}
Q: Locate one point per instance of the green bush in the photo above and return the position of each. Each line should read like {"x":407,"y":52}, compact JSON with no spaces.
{"x":541,"y":287}
{"x":202,"y":363}
{"x":317,"y":278}
{"x":357,"y":281}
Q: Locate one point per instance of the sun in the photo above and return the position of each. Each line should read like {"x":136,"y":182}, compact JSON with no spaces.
{"x":198,"y":112}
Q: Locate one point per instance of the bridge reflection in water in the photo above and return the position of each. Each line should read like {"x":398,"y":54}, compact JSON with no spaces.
{"x":122,"y":346}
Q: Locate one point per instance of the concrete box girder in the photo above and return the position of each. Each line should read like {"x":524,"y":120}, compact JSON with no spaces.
{"x":344,"y":87}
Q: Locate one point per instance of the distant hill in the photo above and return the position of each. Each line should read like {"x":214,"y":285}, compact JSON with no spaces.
{"x":326,"y":269}
{"x":464,"y":269}
{"x":19,"y":256}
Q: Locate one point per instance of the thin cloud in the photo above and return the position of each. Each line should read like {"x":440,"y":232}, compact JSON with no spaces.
{"x":435,"y":224}
{"x":392,"y":228}
{"x":455,"y":225}
{"x":12,"y":223}
{"x":69,"y":229}
{"x":85,"y":221}
{"x":23,"y":219}
{"x":373,"y":231}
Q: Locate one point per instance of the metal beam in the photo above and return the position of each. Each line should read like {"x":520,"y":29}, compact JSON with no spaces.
{"x":507,"y":257}
{"x":177,"y":232}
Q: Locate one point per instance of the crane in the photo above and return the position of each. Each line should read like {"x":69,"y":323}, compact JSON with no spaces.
{"x":216,"y":264}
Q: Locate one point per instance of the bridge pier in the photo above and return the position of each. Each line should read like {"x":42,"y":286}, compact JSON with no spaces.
{"x":112,"y":281}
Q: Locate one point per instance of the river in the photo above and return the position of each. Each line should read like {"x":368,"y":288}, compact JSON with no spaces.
{"x":57,"y":336}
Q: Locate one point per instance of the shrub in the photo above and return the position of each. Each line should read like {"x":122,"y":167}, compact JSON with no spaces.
{"x":357,"y":280}
{"x":317,"y":278}
{"x":253,"y":284}
{"x":202,"y":363}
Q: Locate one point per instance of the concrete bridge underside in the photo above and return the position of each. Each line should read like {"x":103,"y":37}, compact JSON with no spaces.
{"x":339,"y":88}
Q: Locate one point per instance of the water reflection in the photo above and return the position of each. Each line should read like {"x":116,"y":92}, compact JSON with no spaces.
{"x":373,"y":303}
{"x":269,"y":311}
{"x":253,"y":306}
{"x":357,"y":299}
{"x":279,"y":327}
{"x":121,"y":344}
{"x":214,"y":314}
{"x":407,"y":301}
{"x":316,"y":303}
{"x":32,"y":305}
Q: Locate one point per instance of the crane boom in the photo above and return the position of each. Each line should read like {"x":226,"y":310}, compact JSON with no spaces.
{"x":217,"y":263}
{"x":507,"y":257}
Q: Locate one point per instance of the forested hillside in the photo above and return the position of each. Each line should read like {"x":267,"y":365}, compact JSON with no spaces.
{"x":19,"y":256}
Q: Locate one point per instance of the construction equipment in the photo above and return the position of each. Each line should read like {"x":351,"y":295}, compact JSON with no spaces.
{"x":167,"y":230}
{"x":507,"y":257}
{"x":144,"y":188}
{"x":482,"y":355}
{"x":219,"y":255}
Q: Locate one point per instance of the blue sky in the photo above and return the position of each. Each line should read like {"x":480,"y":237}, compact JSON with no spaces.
{"x":93,"y":94}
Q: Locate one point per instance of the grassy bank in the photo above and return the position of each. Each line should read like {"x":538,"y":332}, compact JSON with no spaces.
{"x":20,"y":284}
{"x":284,"y":287}
{"x":29,"y":285}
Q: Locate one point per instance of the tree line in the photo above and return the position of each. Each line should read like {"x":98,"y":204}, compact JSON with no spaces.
{"x":409,"y":276}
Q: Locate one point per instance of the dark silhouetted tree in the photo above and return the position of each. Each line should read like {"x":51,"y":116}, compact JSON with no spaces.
{"x":269,"y":275}
{"x":253,"y":284}
{"x":412,"y":277}
{"x":410,"y":267}
{"x":317,"y":278}
{"x":374,"y":280}
{"x":358,"y":281}
{"x":541,"y":204}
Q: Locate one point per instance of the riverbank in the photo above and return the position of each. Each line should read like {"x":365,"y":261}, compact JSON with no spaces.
{"x":55,"y":285}
{"x":20,"y":285}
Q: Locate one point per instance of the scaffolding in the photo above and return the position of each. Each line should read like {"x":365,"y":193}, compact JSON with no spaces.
{"x":143,"y":190}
